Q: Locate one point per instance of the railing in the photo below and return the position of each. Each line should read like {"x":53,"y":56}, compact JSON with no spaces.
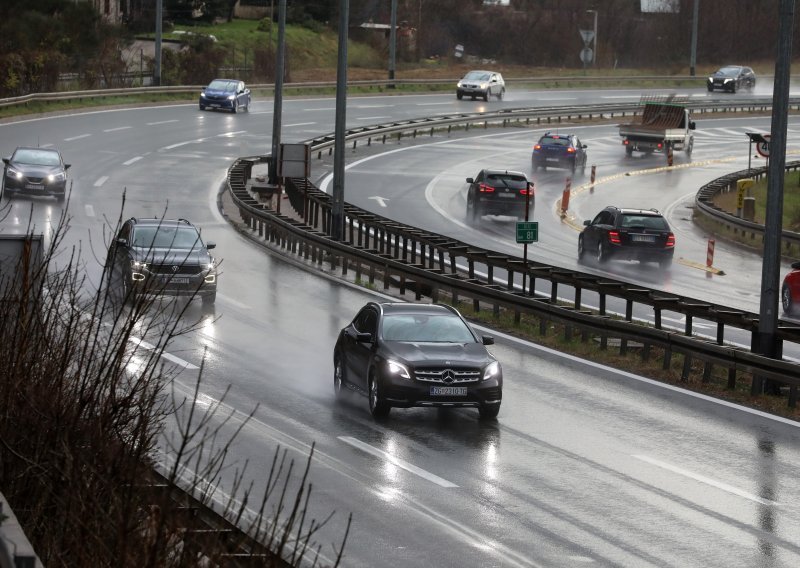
{"x":748,"y":230}
{"x":374,"y":247}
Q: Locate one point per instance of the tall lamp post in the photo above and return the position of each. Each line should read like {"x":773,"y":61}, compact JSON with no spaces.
{"x":594,"y":46}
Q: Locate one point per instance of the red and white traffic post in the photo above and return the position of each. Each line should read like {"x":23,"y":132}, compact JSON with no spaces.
{"x":710,"y":253}
{"x":594,"y":171}
{"x":565,"y":197}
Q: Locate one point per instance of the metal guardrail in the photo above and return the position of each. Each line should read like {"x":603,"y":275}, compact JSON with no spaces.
{"x":704,"y":202}
{"x":434,"y":265}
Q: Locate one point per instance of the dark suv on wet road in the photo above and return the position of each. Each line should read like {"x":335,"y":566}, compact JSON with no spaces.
{"x":404,"y":355}
{"x":162,"y":257}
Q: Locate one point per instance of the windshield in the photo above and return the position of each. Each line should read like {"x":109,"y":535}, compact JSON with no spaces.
{"x":477,"y":76}
{"x":440,"y":328}
{"x":219,"y":85}
{"x":728,"y":71}
{"x":167,"y":237}
{"x":37,"y":157}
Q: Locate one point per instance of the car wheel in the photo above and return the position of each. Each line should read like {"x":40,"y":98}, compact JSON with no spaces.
{"x":690,"y":146}
{"x":338,"y":377}
{"x":60,"y":197}
{"x":665,"y":262}
{"x":583,"y":167}
{"x":377,"y":406}
{"x":629,"y":150}
{"x":501,"y":94}
{"x":209,"y":299}
{"x":486,"y":95}
{"x":786,"y":300}
{"x":489,"y":411}
{"x":581,"y":248}
{"x":459,"y":95}
{"x":602,"y":253}
{"x":733,"y":88}
{"x":234,"y":106}
{"x":573,"y":167}
{"x":202,"y":107}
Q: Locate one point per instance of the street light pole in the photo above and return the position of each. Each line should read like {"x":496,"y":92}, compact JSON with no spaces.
{"x":693,"y":57}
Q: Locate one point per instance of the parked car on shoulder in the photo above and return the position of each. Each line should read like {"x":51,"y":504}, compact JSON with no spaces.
{"x":482,"y":84}
{"x":732,"y":78}
{"x":499,"y":192}
{"x":410,"y":355}
{"x":35,"y":171}
{"x":627,"y":234}
{"x":790,"y":291}
{"x":555,"y":150}
{"x":225,"y":94}
{"x":162,"y":257}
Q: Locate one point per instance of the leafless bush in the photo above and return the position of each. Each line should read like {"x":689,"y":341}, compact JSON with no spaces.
{"x":85,"y":406}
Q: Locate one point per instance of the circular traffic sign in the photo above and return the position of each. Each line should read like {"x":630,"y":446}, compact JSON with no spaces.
{"x":763,"y":147}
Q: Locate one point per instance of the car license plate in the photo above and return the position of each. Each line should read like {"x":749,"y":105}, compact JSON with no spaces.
{"x":175,"y":279}
{"x":506,"y":195}
{"x":34,"y":186}
{"x":552,"y":159}
{"x":448,"y":391}
{"x":643,"y":238}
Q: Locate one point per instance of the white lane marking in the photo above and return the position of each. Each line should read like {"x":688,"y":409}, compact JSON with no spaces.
{"x":299,"y":124}
{"x":179,"y":144}
{"x":101,"y":181}
{"x":620,"y":96}
{"x":89,"y":210}
{"x":162,"y":122}
{"x":381,"y":200}
{"x":363,"y":446}
{"x":557,"y":98}
{"x":432,"y":104}
{"x":231,"y":134}
{"x":316,"y":109}
{"x":169,"y":357}
{"x":131,"y":161}
{"x":706,"y":480}
{"x":373,"y":117}
{"x":373,"y":106}
{"x":76,"y":137}
{"x":118,"y":128}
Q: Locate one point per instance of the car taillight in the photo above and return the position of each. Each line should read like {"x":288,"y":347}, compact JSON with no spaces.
{"x":670,"y":240}
{"x":526,"y":191}
{"x":625,"y":142}
{"x":660,"y":145}
{"x":613,"y":236}
{"x":570,"y":150}
{"x":485,"y":188}
{"x":537,"y":147}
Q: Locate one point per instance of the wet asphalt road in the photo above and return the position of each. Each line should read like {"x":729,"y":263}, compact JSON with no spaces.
{"x":585,"y":465}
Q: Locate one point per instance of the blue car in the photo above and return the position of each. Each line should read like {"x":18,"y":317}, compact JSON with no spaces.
{"x":225,"y":94}
{"x":559,"y":151}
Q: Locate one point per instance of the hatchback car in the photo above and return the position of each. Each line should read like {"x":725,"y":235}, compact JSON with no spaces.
{"x":35,"y":171}
{"x":499,"y":192}
{"x":629,"y":234}
{"x":162,"y":257}
{"x":225,"y":94}
{"x":732,"y":78}
{"x":790,"y":291}
{"x":411,"y":355}
{"x":559,"y":151}
{"x":482,"y":84}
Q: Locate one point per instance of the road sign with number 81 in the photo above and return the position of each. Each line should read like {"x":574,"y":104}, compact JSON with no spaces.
{"x":527,"y":231}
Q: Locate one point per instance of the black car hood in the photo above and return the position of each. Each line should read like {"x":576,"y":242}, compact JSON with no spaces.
{"x":171,"y":256}
{"x":467,"y":354}
{"x":33,"y":170}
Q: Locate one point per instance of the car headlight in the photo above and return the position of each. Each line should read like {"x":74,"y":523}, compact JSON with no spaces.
{"x":484,"y":85}
{"x":398,"y":369}
{"x":459,"y":85}
{"x":491,"y":370}
{"x":728,"y":80}
{"x":14,"y":173}
{"x":202,"y":95}
{"x":231,"y":97}
{"x":60,"y":176}
{"x":137,"y":265}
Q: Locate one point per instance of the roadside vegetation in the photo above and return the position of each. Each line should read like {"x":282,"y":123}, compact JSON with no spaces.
{"x":90,"y":410}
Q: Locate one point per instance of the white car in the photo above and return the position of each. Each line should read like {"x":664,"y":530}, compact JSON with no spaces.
{"x":483,"y":84}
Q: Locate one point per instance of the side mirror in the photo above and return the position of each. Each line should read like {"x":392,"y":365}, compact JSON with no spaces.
{"x":586,"y":222}
{"x":584,"y":146}
{"x":210,"y":245}
{"x":67,"y":166}
{"x":6,"y":160}
{"x":691,"y":125}
{"x":364,"y":337}
{"x":487,"y":340}
{"x":470,"y":180}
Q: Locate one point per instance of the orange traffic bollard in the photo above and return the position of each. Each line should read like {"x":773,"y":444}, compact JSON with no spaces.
{"x":594,"y":171}
{"x":669,"y":155}
{"x":710,"y":253}
{"x":565,"y":197}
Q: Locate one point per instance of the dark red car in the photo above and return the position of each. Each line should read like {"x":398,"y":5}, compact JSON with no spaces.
{"x":790,"y":291}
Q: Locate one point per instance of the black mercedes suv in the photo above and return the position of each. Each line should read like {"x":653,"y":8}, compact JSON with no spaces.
{"x":499,"y":192}
{"x":156,"y":256}
{"x":406,"y":354}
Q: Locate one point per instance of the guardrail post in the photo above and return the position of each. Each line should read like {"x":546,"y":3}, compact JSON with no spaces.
{"x":687,"y":367}
{"x":707,"y":369}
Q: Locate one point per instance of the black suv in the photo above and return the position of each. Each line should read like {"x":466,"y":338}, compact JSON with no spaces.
{"x":405,"y":355}
{"x":559,"y":151}
{"x":499,"y":192}
{"x":630,"y":234}
{"x":162,"y":257}
{"x":732,"y":78}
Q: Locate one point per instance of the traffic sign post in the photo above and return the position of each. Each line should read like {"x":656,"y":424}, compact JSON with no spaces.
{"x":762,"y":146}
{"x":527,"y":232}
{"x":742,"y":185}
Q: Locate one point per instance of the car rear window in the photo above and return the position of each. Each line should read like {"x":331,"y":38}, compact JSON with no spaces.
{"x":555,"y":141}
{"x":510,"y":180}
{"x":643,"y":222}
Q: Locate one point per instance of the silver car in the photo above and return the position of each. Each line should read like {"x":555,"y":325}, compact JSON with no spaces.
{"x":482,"y":84}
